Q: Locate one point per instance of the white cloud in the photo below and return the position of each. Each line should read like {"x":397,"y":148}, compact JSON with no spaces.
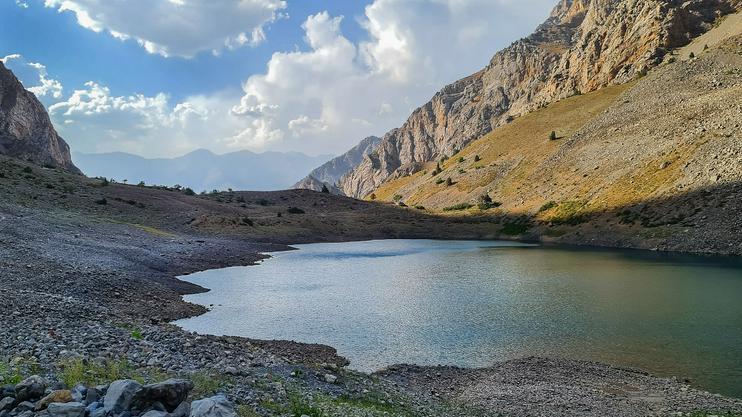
{"x":22,"y":4}
{"x":34,"y":77}
{"x":177,"y":27}
{"x":337,"y":92}
{"x":94,"y":120}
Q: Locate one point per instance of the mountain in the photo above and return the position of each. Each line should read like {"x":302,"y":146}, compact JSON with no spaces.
{"x":25,"y":129}
{"x":330,"y":173}
{"x":583,"y":46}
{"x":203,"y":170}
{"x":654,"y":163}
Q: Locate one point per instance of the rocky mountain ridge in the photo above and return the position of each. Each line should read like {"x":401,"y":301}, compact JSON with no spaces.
{"x":330,"y":173}
{"x":583,"y":46}
{"x":26,"y":132}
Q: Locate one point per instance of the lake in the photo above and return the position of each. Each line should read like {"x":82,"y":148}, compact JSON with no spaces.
{"x":474,"y":303}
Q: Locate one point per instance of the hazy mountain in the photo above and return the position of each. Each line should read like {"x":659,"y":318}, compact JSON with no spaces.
{"x":204,"y":170}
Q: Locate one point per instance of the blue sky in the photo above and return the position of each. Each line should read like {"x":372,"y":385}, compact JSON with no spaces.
{"x":314,"y":76}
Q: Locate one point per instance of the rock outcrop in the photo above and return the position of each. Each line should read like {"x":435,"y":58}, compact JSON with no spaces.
{"x":330,"y":173}
{"x":583,"y":46}
{"x":25,"y":129}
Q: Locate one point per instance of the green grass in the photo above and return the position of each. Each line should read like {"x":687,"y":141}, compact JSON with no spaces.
{"x":75,"y":371}
{"x":206,"y":384}
{"x":459,"y":207}
{"x":570,"y":213}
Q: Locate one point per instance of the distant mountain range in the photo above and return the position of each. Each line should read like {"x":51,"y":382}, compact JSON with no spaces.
{"x":203,"y":170}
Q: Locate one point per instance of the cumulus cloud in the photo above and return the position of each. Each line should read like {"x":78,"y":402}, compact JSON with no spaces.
{"x":177,"y":27}
{"x":95,"y":120}
{"x":22,"y":4}
{"x":336,"y":91}
{"x":34,"y":77}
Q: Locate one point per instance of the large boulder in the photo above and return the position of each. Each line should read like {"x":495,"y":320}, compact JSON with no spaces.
{"x":30,"y":388}
{"x":119,"y":395}
{"x":170,"y":394}
{"x":218,"y":406}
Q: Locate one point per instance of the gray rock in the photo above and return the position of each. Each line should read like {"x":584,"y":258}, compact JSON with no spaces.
{"x":154,"y":413}
{"x":183,"y":410}
{"x":30,"y":388}
{"x":24,"y":406}
{"x":66,"y":409}
{"x":330,"y":378}
{"x":27,"y":413}
{"x":170,"y":393}
{"x":217,"y":406}
{"x":99,"y":412}
{"x":7,"y":403}
{"x":79,"y":392}
{"x":119,"y":395}
{"x":91,"y":396}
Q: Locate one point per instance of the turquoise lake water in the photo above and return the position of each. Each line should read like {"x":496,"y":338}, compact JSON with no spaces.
{"x":474,"y":303}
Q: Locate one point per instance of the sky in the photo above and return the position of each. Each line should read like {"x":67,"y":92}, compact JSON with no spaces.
{"x":161,"y":78}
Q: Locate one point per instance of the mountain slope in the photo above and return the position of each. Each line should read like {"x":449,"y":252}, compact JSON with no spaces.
{"x":583,"y":46}
{"x":202,"y":170}
{"x":655,"y":163}
{"x":25,"y":129}
{"x":329,"y":174}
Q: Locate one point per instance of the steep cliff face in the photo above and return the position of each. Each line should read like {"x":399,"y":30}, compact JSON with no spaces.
{"x":330,"y":173}
{"x":583,"y":46}
{"x":25,"y":129}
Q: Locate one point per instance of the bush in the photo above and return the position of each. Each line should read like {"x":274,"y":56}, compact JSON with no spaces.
{"x":553,"y":135}
{"x":325,"y":190}
{"x":372,"y":196}
{"x":141,"y":184}
{"x":548,"y":206}
{"x":101,"y":202}
{"x":449,"y":182}
{"x":188,"y":191}
{"x":458,"y":207}
{"x":439,"y":181}
{"x":104,"y":182}
{"x":422,"y":208}
{"x":514,"y":229}
{"x":461,"y":159}
{"x":692,"y":55}
{"x":28,"y":170}
{"x":397,"y":198}
{"x":247,"y":222}
{"x":477,"y":158}
{"x":295,"y":210}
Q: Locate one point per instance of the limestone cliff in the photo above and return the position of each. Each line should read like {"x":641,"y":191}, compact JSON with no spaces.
{"x":329,"y":174}
{"x":25,"y":129}
{"x":583,"y":46}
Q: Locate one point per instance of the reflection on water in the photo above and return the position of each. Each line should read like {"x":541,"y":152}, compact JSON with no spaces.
{"x":474,"y":303}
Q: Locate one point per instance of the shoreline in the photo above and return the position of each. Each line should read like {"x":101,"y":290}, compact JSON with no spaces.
{"x":643,"y":253}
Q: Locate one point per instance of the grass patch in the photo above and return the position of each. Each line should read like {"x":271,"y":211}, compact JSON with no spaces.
{"x":569,"y":213}
{"x":547,"y":206}
{"x":76,"y":370}
{"x":459,"y":207}
{"x":205,"y":384}
{"x":299,"y":408}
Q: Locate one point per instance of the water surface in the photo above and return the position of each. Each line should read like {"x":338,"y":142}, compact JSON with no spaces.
{"x":474,"y":303}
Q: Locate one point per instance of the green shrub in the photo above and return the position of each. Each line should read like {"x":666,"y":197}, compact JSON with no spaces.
{"x":189,"y":191}
{"x":514,"y":228}
{"x":422,"y":208}
{"x":372,"y":196}
{"x":247,"y":222}
{"x":553,"y":135}
{"x":477,"y":158}
{"x":449,"y":182}
{"x":101,"y":202}
{"x":439,"y":181}
{"x":461,"y":159}
{"x":458,"y":207}
{"x":325,"y":189}
{"x":397,"y":198}
{"x":104,"y":182}
{"x":295,"y":210}
{"x":547,"y":206}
